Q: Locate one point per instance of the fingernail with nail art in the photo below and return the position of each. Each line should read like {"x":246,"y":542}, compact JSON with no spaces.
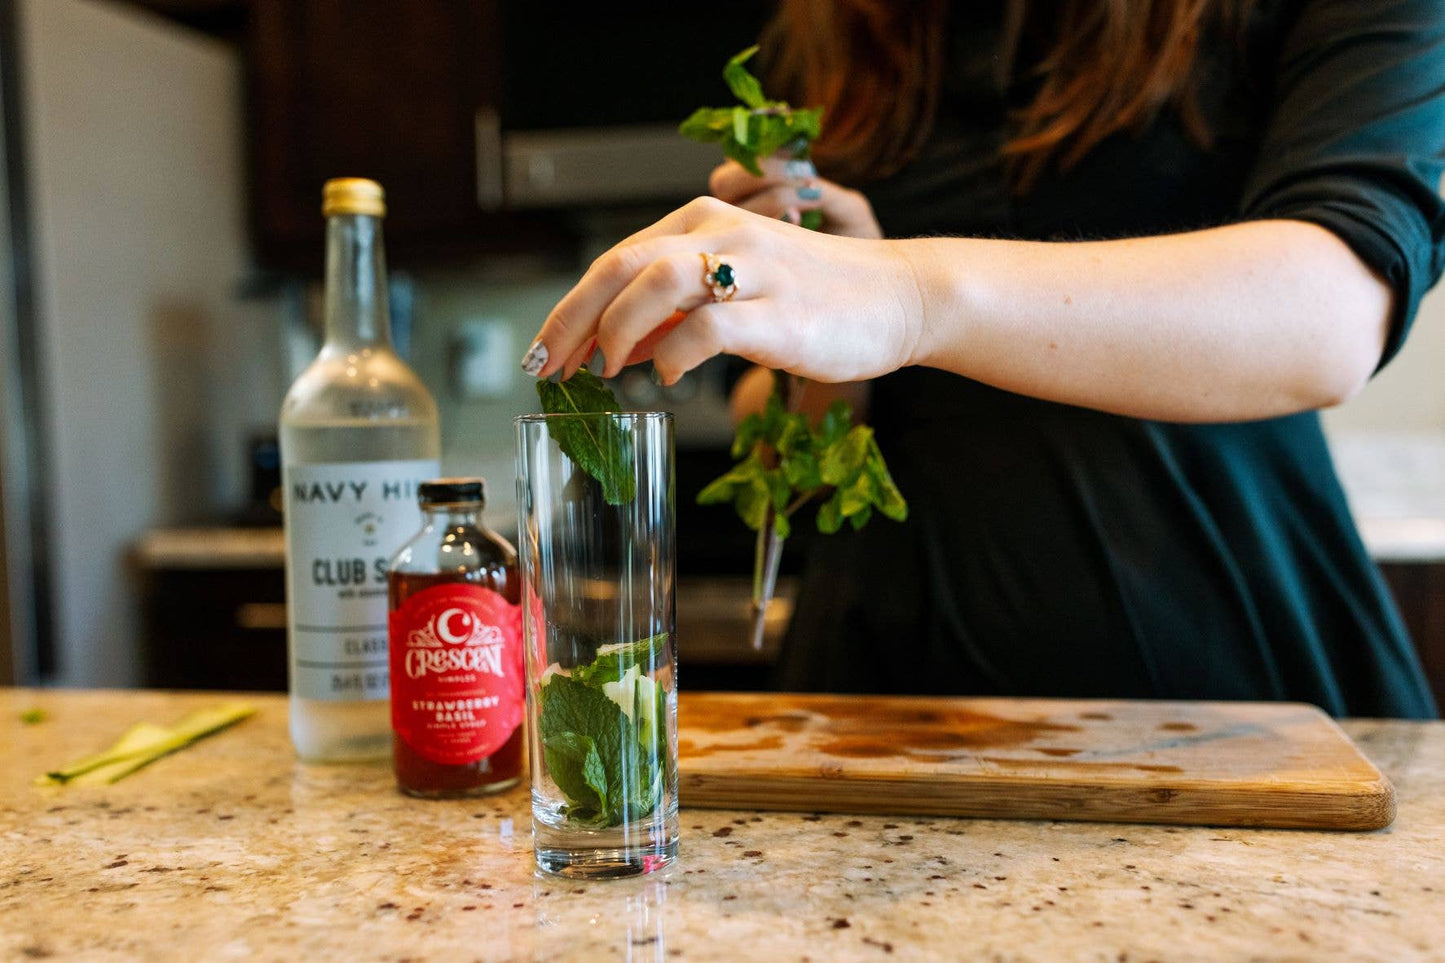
{"x":799,"y":170}
{"x":535,"y":359}
{"x":809,"y":193}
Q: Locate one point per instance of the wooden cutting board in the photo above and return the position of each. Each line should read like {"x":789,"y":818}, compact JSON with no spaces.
{"x":1283,"y":765}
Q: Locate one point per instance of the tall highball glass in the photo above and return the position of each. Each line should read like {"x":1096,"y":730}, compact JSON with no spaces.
{"x":596,"y":532}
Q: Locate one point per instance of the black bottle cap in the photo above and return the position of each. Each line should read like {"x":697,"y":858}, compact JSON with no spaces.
{"x":451,"y":491}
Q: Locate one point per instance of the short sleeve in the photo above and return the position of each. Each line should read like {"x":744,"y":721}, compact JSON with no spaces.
{"x":1356,"y":139}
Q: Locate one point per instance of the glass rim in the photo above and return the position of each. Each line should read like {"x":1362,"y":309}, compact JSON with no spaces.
{"x":541,"y":417}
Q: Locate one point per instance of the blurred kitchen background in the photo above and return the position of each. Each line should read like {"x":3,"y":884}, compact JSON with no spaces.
{"x":160,"y":248}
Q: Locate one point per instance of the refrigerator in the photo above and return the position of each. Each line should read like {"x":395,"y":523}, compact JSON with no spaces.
{"x":124,"y":350}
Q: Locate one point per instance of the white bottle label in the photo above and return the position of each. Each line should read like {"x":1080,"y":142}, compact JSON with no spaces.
{"x":343,"y":524}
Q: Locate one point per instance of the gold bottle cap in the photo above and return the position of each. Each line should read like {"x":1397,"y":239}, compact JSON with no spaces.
{"x":353,"y":195}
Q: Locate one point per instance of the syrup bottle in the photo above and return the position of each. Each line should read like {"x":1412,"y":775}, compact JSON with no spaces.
{"x":455,"y":633}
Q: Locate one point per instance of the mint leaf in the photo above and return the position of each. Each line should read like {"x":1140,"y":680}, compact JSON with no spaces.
{"x":744,"y":85}
{"x":740,"y":126}
{"x":746,"y":486}
{"x":801,"y":470}
{"x":751,"y":430}
{"x":576,"y":767}
{"x":599,"y":445}
{"x":708,"y":125}
{"x":613,"y":661}
{"x":843,"y":459}
{"x":744,"y":155}
{"x":856,"y":496}
{"x":859,"y":519}
{"x":583,"y":393}
{"x":830,"y":517}
{"x":885,"y":493}
{"x":570,"y":706}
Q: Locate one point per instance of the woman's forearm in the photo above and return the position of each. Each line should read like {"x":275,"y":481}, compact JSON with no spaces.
{"x":1234,"y":323}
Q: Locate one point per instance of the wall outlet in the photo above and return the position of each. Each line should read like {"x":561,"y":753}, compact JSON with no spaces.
{"x":483,"y":358}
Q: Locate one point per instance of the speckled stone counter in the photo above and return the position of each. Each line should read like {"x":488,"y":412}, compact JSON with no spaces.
{"x":232,"y":850}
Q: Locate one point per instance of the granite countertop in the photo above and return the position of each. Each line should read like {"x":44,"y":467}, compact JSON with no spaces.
{"x":232,"y":850}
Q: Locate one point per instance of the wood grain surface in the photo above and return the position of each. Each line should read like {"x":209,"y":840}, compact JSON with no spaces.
{"x":1282,"y":765}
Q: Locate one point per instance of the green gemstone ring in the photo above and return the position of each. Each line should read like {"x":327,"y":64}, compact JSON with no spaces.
{"x":719,"y":278}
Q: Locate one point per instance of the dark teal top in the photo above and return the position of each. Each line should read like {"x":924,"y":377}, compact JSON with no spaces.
{"x":1058,"y":551}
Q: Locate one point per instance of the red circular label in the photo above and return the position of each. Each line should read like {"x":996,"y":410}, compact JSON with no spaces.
{"x":456,"y":672}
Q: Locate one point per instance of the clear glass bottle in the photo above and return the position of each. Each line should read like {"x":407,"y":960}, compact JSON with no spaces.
{"x":458,"y":695}
{"x":359,"y":432}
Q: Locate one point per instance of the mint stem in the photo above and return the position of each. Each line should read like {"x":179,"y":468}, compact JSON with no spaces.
{"x":769,"y":555}
{"x":768,"y":570}
{"x":759,"y":557}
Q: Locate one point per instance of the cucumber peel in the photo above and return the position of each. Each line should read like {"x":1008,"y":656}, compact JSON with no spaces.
{"x":144,"y":743}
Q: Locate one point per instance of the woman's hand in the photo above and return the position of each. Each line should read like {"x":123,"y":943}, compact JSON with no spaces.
{"x":823,"y":307}
{"x":790,"y":187}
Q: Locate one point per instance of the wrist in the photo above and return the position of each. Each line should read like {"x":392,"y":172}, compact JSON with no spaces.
{"x":918,"y":294}
{"x":956,"y":285}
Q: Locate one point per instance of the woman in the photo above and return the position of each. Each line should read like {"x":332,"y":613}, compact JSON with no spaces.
{"x":1132,"y":247}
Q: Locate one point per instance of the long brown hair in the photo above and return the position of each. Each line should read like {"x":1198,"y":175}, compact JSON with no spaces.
{"x":876,"y":67}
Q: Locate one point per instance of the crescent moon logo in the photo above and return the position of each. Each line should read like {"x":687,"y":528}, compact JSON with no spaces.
{"x":444,"y":629}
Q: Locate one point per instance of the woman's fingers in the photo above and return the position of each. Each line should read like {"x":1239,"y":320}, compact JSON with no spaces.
{"x":643,"y":351}
{"x":731,"y":327}
{"x":578,"y":358}
{"x":732,"y":182}
{"x":780,"y":201}
{"x":790,"y":187}
{"x":573,"y":322}
{"x":673,"y":283}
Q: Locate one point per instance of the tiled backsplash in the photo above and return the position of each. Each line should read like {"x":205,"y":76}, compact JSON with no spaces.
{"x":477,"y":433}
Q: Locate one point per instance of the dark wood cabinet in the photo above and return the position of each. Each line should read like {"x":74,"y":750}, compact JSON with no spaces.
{"x":215,"y":628}
{"x":425,"y":96}
{"x":1419,"y":589}
{"x":379,"y":89}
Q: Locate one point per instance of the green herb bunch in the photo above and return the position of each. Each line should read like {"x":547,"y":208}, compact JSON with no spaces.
{"x":603,"y":731}
{"x":786,"y":462}
{"x":758,"y":127}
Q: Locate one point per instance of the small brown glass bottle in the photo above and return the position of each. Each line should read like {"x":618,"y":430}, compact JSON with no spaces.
{"x":455,"y":634}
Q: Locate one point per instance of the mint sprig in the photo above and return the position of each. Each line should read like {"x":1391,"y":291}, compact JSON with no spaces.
{"x":786,"y":463}
{"x":757,"y":128}
{"x":602,"y":447}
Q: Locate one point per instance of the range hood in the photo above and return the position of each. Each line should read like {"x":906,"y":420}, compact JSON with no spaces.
{"x":585,"y":166}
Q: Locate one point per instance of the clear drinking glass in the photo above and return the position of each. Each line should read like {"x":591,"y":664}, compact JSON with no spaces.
{"x":596,"y":531}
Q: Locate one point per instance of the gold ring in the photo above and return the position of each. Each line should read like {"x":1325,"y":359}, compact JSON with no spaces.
{"x":719,"y":278}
